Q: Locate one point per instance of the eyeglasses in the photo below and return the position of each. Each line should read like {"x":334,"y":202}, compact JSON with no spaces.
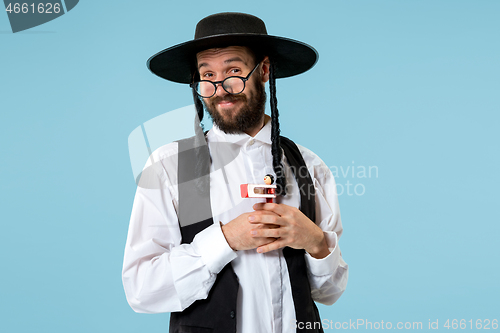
{"x":233,"y":85}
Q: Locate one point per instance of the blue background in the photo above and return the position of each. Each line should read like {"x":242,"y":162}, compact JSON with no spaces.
{"x":411,"y":87}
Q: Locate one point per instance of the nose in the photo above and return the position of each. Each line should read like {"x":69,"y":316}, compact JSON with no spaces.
{"x":219,"y":90}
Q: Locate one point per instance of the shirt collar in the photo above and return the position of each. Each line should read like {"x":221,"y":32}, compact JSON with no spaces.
{"x":264,"y":135}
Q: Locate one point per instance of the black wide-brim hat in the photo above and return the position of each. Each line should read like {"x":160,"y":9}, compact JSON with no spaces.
{"x":178,"y":63}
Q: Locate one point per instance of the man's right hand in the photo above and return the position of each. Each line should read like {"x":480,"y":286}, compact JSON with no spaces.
{"x":237,"y":232}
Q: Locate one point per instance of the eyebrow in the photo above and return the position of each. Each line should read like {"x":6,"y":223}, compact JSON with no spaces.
{"x":227,"y":61}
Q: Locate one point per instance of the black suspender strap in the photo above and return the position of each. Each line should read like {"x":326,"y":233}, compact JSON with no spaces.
{"x":305,"y":308}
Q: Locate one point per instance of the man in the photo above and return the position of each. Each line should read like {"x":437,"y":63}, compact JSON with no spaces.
{"x":248,"y":266}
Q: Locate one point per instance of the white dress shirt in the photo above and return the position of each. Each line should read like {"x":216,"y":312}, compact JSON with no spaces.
{"x":162,"y":275}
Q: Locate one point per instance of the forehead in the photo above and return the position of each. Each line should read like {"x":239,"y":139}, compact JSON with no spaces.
{"x":220,"y":55}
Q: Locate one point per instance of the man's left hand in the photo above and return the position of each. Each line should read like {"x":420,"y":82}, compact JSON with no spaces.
{"x":295,"y":229}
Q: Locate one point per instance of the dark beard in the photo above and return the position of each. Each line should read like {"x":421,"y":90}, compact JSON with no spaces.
{"x":249,"y":116}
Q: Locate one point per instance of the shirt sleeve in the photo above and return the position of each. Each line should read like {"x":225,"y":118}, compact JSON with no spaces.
{"x":327,"y":276}
{"x":159,"y":273}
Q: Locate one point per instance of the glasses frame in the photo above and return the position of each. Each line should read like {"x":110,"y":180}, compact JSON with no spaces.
{"x":215,"y":83}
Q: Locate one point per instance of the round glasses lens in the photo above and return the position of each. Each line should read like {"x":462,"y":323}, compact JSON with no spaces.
{"x":205,"y":89}
{"x":234,"y":85}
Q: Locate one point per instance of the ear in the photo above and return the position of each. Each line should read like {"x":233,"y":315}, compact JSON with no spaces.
{"x":264,"y":70}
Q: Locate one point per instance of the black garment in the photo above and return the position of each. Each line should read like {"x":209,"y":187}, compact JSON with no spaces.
{"x":217,"y":313}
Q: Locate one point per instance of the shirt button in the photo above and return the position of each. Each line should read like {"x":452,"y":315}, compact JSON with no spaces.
{"x":232,"y":314}
{"x":251,"y":142}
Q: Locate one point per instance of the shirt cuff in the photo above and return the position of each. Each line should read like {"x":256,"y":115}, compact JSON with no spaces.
{"x":215,"y":252}
{"x":328,"y":264}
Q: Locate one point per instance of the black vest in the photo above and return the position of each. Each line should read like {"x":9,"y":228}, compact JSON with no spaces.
{"x":217,"y":313}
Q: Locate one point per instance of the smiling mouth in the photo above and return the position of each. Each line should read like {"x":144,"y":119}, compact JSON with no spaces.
{"x":226,"y":103}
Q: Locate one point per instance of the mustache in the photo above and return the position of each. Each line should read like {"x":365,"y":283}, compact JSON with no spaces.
{"x":228,"y":98}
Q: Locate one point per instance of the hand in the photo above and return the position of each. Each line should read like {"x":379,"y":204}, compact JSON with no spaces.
{"x":295,"y":229}
{"x":238,"y":236}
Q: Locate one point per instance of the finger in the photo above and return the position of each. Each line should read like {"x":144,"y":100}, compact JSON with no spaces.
{"x":277,"y":244}
{"x":265,"y":219}
{"x":272,"y":233}
{"x":263,"y":212}
{"x":279,"y":209}
{"x":264,"y":241}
